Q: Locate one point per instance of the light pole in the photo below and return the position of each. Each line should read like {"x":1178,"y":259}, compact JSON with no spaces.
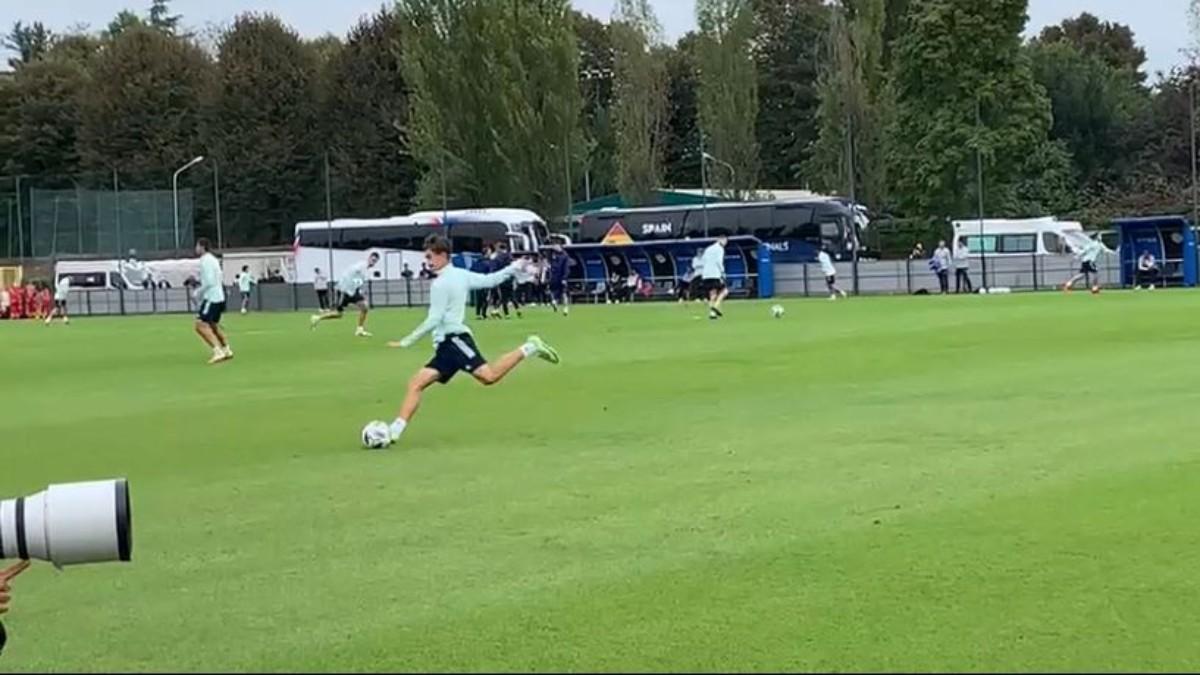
{"x":175,"y":193}
{"x":704,"y":183}
{"x":727,"y":165}
{"x":979,"y":191}
{"x":217,"y":203}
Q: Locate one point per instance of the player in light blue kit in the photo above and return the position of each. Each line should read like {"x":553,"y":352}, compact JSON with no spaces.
{"x":349,"y":287}
{"x":211,"y":296}
{"x":452,"y":340}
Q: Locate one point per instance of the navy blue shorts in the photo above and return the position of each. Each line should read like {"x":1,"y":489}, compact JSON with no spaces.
{"x":210,"y":312}
{"x":1088,"y":268}
{"x":348,"y":299}
{"x":558,"y":289}
{"x":456,"y":353}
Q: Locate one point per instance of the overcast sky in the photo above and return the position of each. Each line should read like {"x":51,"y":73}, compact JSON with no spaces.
{"x":1160,"y":25}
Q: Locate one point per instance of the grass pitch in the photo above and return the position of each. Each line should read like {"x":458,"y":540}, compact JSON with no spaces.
{"x":985,"y":483}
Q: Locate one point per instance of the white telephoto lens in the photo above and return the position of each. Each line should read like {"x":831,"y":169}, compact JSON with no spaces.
{"x":69,"y":524}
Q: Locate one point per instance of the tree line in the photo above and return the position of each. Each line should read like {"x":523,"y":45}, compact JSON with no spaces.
{"x":898,"y":103}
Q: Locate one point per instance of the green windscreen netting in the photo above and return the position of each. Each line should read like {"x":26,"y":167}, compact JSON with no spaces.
{"x":72,"y":222}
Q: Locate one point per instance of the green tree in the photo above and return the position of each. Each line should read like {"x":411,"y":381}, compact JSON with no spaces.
{"x":728,"y":95}
{"x":596,"y":77}
{"x":142,"y":109}
{"x":856,"y":107}
{"x":264,"y":130}
{"x":1112,"y":43}
{"x":789,"y":34}
{"x":29,"y":42}
{"x":364,"y":105}
{"x":123,"y":21}
{"x":683,"y":133}
{"x":1100,"y":111}
{"x":640,"y":105}
{"x":495,"y":102}
{"x":40,"y":121}
{"x":160,"y":17}
{"x":963,"y":83}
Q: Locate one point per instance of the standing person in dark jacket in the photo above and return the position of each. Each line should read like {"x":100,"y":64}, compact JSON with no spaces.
{"x":483,"y":265}
{"x":504,"y":292}
{"x":560,"y":269}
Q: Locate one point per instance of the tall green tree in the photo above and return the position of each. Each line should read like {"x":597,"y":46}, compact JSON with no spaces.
{"x":963,"y":83}
{"x":494,"y":100}
{"x":729,"y":92}
{"x":264,"y":130}
{"x":39,"y":122}
{"x":364,"y":106}
{"x":28,"y":41}
{"x":788,"y":38}
{"x":142,"y":110}
{"x":1100,"y":111}
{"x":682,"y":163}
{"x":1112,"y":43}
{"x":849,"y":156}
{"x":596,"y":78}
{"x":160,"y":17}
{"x":640,"y":104}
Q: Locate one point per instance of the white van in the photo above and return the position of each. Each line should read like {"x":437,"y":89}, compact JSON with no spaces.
{"x":1001,"y":237}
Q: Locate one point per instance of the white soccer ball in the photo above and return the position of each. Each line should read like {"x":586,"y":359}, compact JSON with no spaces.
{"x":376,"y":436}
{"x":777,"y":311}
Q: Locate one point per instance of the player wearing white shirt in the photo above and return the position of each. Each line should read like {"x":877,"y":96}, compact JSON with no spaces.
{"x":1087,"y":265}
{"x":211,"y":296}
{"x":712,"y":271}
{"x":349,"y":287}
{"x":452,"y":340}
{"x":245,"y":282}
{"x":830,"y":272}
{"x":61,"y":290}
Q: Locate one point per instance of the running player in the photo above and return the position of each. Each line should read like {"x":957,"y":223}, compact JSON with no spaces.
{"x":830,"y":272}
{"x":61,"y":290}
{"x":1087,"y":266}
{"x":455,"y":348}
{"x":349,"y":288}
{"x":713,"y":273}
{"x":560,"y":269}
{"x":245,"y":283}
{"x":211,"y":296}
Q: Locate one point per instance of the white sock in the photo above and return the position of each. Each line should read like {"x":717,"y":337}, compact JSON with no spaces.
{"x":398,"y":428}
{"x":529,"y":349}
{"x":218,"y":351}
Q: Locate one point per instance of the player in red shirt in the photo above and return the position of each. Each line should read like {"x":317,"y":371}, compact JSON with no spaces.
{"x":45,"y":302}
{"x":16,"y":302}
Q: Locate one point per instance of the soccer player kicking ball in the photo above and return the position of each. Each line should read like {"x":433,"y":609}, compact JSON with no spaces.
{"x":830,"y":272}
{"x":713,"y":273}
{"x":349,"y":288}
{"x":1087,"y":266}
{"x":61,"y":290}
{"x":211,"y":296}
{"x":455,"y":348}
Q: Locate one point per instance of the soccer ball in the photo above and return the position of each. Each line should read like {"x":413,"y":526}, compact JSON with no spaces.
{"x":376,"y":436}
{"x":777,"y":311}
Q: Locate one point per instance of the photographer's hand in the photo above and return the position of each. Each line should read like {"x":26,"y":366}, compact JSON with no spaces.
{"x":5,"y":577}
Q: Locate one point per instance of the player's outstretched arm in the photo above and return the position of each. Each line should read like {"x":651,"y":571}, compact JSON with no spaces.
{"x":477,"y":281}
{"x":439,"y":303}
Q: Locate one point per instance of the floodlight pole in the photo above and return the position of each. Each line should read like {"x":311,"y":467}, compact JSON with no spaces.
{"x":175,"y":193}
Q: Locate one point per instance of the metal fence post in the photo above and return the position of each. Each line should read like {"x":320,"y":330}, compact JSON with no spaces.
{"x":908,"y":275}
{"x":407,"y":292}
{"x":121,"y":300}
{"x":804,"y":271}
{"x":1034,"y":259}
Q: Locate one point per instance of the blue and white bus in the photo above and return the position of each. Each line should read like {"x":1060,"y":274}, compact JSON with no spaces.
{"x":399,"y":240}
{"x":794,"y":229}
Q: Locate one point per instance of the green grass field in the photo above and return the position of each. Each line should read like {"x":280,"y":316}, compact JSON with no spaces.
{"x":882,"y":484}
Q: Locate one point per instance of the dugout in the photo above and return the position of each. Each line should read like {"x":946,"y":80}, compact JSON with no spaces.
{"x":1170,"y":239}
{"x":664,"y":264}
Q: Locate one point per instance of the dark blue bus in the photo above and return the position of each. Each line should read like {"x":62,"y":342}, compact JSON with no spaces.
{"x":794,"y":230}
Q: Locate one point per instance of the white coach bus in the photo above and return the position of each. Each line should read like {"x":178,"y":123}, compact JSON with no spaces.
{"x":399,"y":240}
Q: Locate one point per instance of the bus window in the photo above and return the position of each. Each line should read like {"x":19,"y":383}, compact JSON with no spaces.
{"x":757,"y":221}
{"x":793,"y":222}
{"x":719,"y":222}
{"x":1017,"y":243}
{"x":472,"y":237}
{"x":321,"y":237}
{"x":1054,"y":244}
